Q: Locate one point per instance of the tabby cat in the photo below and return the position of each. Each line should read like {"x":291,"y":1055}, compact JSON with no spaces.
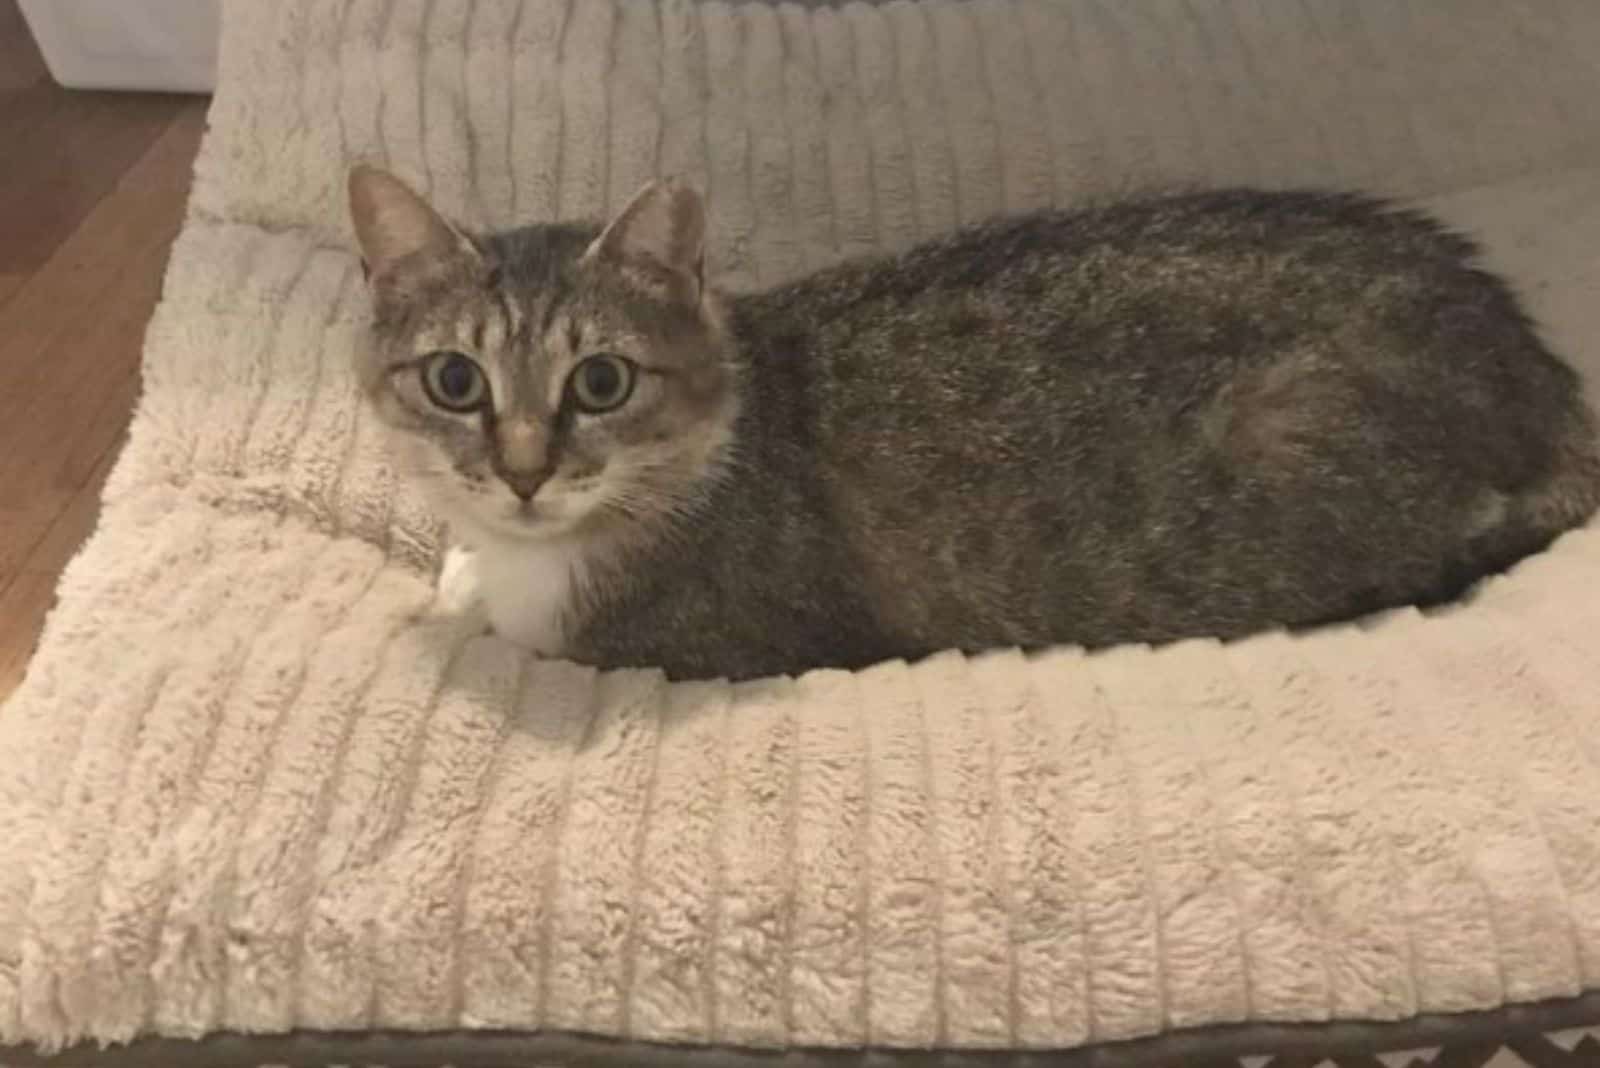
{"x":1196,"y":414}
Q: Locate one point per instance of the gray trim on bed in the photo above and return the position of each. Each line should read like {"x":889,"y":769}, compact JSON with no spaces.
{"x":499,"y":1049}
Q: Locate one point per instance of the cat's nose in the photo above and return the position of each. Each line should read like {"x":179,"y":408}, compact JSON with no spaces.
{"x":522,"y":456}
{"x":525,"y":484}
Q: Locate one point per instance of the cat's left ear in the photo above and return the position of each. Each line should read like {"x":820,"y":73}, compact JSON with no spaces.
{"x":658,"y":239}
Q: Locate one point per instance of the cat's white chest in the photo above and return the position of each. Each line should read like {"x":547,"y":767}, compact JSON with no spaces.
{"x":526,"y":591}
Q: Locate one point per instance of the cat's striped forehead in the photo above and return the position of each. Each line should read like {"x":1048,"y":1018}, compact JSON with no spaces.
{"x":518,"y":319}
{"x":528,"y":311}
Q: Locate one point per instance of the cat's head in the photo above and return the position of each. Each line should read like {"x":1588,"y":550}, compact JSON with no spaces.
{"x":551,"y":382}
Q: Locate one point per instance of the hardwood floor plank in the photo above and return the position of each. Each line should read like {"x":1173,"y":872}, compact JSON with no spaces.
{"x":21,"y":66}
{"x":70,"y":339}
{"x":92,"y":192}
{"x":26,"y":600}
{"x":63,"y":150}
{"x":25,"y":606}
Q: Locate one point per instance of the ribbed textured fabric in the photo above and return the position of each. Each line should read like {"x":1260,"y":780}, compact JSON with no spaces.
{"x":249,"y":784}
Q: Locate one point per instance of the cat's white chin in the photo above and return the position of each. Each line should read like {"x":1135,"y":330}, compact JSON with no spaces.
{"x":521,"y":572}
{"x":510,"y":520}
{"x":459,"y":590}
{"x":523,"y":595}
{"x":525,"y":589}
{"x":519,"y":526}
{"x":521,"y":568}
{"x":545,"y":518}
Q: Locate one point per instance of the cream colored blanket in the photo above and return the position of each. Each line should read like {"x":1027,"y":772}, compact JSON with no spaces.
{"x":245,"y":786}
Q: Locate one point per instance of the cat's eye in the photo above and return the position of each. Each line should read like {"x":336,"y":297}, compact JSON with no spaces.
{"x":454,"y":382}
{"x":601,"y":383}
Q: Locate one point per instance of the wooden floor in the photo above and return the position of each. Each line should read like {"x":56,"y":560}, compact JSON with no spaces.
{"x":92,"y":189}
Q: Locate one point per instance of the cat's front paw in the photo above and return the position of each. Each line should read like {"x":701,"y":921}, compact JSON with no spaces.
{"x":459,"y":591}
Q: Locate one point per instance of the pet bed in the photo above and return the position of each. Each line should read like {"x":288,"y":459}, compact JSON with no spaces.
{"x":256,"y":805}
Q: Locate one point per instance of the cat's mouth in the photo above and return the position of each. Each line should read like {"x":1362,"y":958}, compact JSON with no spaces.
{"x":533,"y":517}
{"x":533,"y":520}
{"x":557,"y":511}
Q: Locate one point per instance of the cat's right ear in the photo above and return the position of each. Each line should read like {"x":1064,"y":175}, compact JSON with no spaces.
{"x":393,"y":224}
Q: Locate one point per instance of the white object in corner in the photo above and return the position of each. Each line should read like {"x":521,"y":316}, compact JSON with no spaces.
{"x":128,"y":44}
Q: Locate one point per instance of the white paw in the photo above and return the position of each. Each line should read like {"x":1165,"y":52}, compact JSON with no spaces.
{"x":459,"y":590}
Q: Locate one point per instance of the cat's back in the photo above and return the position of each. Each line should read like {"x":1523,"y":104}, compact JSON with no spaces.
{"x":1103,"y":261}
{"x":1182,"y":414}
{"x":1060,"y":330}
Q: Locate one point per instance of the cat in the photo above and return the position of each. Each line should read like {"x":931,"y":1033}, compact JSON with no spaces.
{"x":1190,"y":414}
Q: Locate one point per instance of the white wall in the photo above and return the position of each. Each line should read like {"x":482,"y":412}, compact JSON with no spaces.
{"x":128,"y":44}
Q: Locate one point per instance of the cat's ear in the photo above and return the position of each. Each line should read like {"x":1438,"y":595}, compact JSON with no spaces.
{"x":393,"y":223}
{"x":659,"y":239}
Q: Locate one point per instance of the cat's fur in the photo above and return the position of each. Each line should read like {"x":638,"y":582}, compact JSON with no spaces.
{"x":1200,"y":414}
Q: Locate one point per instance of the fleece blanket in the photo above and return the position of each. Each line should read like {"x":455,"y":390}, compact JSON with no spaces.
{"x":250,"y":785}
